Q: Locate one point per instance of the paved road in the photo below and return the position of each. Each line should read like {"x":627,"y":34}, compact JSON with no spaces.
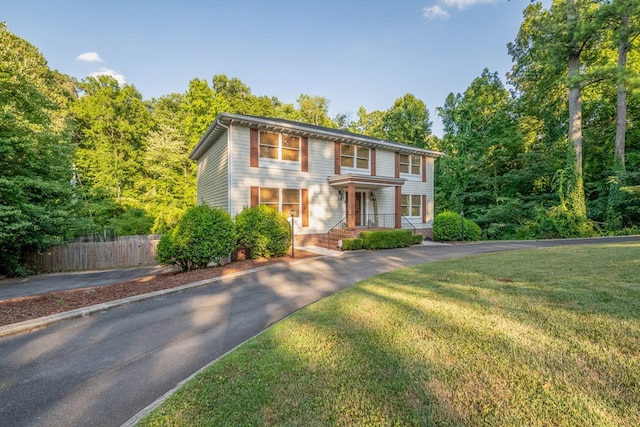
{"x":103,"y":369}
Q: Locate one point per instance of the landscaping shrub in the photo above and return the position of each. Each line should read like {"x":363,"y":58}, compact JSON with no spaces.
{"x":351,"y":244}
{"x":263,"y":232}
{"x":203,"y":235}
{"x":417,"y":239}
{"x":472,"y":231}
{"x":447,"y":227}
{"x":386,"y":239}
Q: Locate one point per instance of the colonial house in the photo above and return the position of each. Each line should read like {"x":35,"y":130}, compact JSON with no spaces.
{"x":329,"y":180}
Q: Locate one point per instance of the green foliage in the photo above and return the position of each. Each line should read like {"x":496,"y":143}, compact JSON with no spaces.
{"x":204,"y":235}
{"x":35,"y":153}
{"x":557,"y":223}
{"x":263,"y":232}
{"x":351,"y":244}
{"x":387,"y":239}
{"x":447,"y":227}
{"x":407,"y":121}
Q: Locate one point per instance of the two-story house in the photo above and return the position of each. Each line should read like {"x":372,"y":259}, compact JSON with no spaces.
{"x":326,"y":178}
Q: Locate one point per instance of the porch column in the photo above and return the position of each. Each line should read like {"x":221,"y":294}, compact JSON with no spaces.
{"x":351,"y":206}
{"x":398,"y":207}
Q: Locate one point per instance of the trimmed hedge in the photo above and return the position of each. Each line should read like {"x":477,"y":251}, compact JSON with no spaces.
{"x":447,"y":227}
{"x":351,"y":244}
{"x":387,"y":239}
{"x":204,"y":235}
{"x":263,"y":232}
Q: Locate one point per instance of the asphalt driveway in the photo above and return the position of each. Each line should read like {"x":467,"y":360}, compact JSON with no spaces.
{"x":103,"y":369}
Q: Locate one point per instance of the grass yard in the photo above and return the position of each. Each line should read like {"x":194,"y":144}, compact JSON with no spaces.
{"x":545,"y":337}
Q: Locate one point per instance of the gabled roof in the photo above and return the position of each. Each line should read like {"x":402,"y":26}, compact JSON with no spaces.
{"x":302,"y":129}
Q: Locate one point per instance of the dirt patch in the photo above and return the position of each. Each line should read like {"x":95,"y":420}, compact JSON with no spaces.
{"x":19,"y":309}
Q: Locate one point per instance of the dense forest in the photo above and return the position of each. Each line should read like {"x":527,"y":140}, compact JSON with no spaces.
{"x":552,"y":151}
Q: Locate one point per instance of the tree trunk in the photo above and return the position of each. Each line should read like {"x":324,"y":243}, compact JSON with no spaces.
{"x":621,"y":120}
{"x":575,"y":99}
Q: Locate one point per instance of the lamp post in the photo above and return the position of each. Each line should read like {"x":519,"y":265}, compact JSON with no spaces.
{"x":462,"y":223}
{"x":293,"y":253}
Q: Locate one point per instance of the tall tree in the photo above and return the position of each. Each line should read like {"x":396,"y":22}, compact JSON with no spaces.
{"x":314,"y":110}
{"x":407,"y":121}
{"x":482,"y":142}
{"x":35,"y":152}
{"x":112,"y":123}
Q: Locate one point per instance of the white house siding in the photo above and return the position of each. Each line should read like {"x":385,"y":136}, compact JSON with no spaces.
{"x":212,"y":186}
{"x":386,"y":197}
{"x":324,"y":210}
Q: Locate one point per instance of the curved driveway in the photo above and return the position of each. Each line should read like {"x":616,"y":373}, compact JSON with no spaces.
{"x":100,"y":370}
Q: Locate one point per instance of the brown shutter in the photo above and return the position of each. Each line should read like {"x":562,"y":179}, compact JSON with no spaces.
{"x":397,"y":165}
{"x":254,"y":149}
{"x":305,"y":207}
{"x":373,"y":161}
{"x":424,"y":168}
{"x":255,"y":196}
{"x":336,"y":154}
{"x":304,"y":154}
{"x":424,"y":208}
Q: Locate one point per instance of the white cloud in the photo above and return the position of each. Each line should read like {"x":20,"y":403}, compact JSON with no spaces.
{"x":89,"y":57}
{"x":465,"y":4}
{"x":435,"y":11}
{"x":108,"y":72}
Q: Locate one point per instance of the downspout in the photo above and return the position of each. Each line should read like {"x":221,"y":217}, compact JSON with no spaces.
{"x":229,"y":174}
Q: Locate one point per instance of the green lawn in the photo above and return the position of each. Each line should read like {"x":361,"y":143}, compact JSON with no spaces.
{"x":545,"y":337}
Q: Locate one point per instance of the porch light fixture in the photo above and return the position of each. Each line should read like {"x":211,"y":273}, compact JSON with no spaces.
{"x":340,"y":195}
{"x":373,"y":197}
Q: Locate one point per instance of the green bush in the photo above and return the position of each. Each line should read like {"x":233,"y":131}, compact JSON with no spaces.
{"x":386,"y":239}
{"x":203,"y":235}
{"x":417,"y":239}
{"x":447,"y":227}
{"x":263,"y":232}
{"x":557,"y":222}
{"x":351,"y":244}
{"x":472,"y":231}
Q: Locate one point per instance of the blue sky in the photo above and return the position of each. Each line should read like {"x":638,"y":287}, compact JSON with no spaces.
{"x":352,"y":52}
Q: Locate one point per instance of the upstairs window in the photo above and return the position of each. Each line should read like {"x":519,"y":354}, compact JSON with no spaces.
{"x":355,"y":157}
{"x":410,"y":164}
{"x":278,"y":146}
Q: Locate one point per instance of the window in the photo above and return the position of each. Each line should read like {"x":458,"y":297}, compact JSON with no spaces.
{"x":411,"y":205}
{"x":281,"y":199}
{"x":279,"y":146}
{"x":352,"y":156}
{"x":410,"y":164}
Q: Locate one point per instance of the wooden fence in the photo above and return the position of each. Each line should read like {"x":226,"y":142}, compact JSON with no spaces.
{"x":127,"y":251}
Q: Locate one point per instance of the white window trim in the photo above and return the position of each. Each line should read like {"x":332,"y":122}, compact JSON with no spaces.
{"x":410,"y":206}
{"x":355,"y":170}
{"x":288,"y":214}
{"x":412,"y":176}
{"x":265,"y":162}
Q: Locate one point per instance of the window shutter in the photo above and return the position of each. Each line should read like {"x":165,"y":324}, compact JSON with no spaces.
{"x":305,"y":207}
{"x":424,"y":168}
{"x":254,"y":149}
{"x":336,"y":151}
{"x":424,"y":208}
{"x":373,"y":162}
{"x":304,"y":154}
{"x":397,"y":164}
{"x":255,"y":196}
